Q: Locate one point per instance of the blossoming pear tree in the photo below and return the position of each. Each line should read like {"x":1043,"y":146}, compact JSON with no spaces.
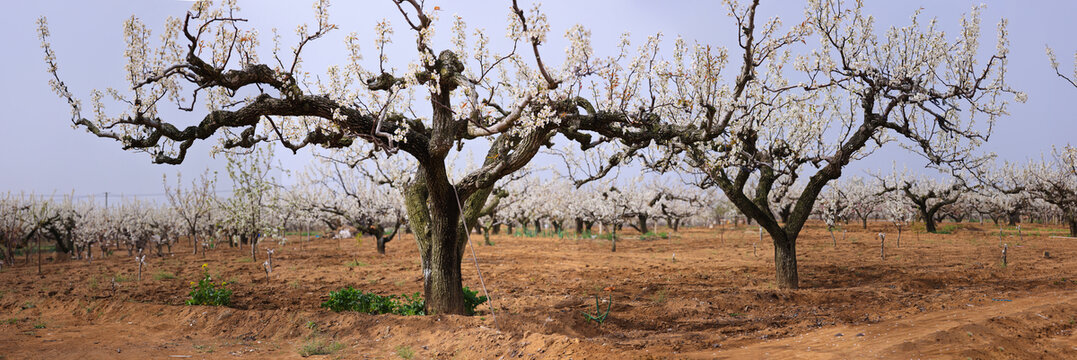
{"x":926,"y":194}
{"x":1054,"y":180}
{"x":804,"y":116}
{"x":1056,"y":185}
{"x":249,"y":211}
{"x":193,"y":205}
{"x":511,"y":101}
{"x":365,"y":203}
{"x":861,"y":197}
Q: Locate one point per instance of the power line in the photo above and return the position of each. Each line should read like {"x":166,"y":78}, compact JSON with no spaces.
{"x":106,"y":194}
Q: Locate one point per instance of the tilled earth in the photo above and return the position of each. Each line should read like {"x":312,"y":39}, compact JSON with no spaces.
{"x":701,"y":293}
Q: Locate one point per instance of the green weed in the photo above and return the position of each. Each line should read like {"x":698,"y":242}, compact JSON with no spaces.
{"x":405,"y":352}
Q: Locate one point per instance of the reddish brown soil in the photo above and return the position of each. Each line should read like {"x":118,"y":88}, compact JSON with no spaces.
{"x":939,"y":296}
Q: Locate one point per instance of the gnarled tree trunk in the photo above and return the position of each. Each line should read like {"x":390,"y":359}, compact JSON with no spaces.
{"x":434,"y":214}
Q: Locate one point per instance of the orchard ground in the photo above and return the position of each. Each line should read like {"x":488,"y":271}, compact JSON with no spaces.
{"x":935,"y":296}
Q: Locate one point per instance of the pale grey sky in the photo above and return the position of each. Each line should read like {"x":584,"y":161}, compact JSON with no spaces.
{"x":40,"y":152}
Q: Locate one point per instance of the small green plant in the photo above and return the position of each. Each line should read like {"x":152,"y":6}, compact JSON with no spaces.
{"x":599,"y":317}
{"x":319,"y":346}
{"x":405,"y":352}
{"x":245,"y":259}
{"x":12,"y":321}
{"x":660,"y":296}
{"x":355,"y":263}
{"x":40,"y":325}
{"x":163,"y":275}
{"x":946,"y":229}
{"x":525,"y":233}
{"x":412,"y":305}
{"x":120,"y":278}
{"x":651,"y":235}
{"x":351,"y":299}
{"x":206,"y":292}
{"x":472,"y":300}
{"x":28,"y":305}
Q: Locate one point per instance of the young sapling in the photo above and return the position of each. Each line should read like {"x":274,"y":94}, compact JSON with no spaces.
{"x":265,"y":266}
{"x":1005,"y":248}
{"x":599,"y":317}
{"x":141,"y":260}
{"x":882,"y":246}
{"x":269,"y":261}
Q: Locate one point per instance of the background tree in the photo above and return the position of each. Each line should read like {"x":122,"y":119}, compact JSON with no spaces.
{"x":248,"y":209}
{"x":927,"y":195}
{"x":899,"y":212}
{"x":1054,"y":181}
{"x":193,"y":205}
{"x":862,"y":198}
{"x":368,"y":205}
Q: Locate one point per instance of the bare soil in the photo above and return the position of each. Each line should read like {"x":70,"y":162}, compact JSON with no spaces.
{"x":702,"y":293}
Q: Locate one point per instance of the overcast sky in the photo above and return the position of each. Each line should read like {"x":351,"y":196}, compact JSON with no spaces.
{"x":40,"y":152}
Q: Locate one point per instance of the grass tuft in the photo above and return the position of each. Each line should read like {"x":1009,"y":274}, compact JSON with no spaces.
{"x":163,"y":275}
{"x":405,"y":352}
{"x":319,"y":346}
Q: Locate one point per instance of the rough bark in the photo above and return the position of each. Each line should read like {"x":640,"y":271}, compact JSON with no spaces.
{"x":785,"y":263}
{"x":641,"y":224}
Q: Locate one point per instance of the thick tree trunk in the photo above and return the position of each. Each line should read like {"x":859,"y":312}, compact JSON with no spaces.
{"x":1073,"y":227}
{"x":579,"y":226}
{"x":785,"y":262}
{"x":381,"y":244}
{"x":864,"y":222}
{"x":676,"y":224}
{"x":497,"y":229}
{"x":929,"y":222}
{"x":435,"y":220}
{"x":613,"y":239}
{"x":434,"y":212}
{"x":642,"y":220}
